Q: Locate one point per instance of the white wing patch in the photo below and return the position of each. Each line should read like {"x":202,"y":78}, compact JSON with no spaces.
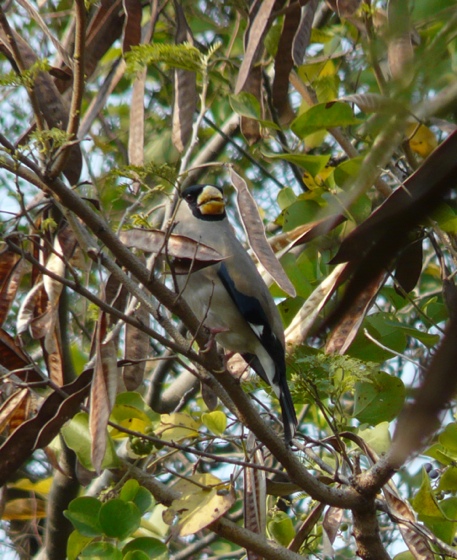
{"x":258,"y":329}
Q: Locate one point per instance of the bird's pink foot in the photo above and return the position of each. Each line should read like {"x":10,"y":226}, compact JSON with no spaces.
{"x":212,"y":335}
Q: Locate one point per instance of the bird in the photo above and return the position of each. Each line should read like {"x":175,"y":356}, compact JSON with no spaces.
{"x":230,"y":297}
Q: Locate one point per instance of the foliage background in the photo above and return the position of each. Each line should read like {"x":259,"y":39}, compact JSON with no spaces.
{"x":119,"y":438}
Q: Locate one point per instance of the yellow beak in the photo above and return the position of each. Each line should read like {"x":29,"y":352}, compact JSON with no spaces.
{"x":211,"y":201}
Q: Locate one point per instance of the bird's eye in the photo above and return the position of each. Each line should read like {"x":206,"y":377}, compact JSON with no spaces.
{"x":189,"y":197}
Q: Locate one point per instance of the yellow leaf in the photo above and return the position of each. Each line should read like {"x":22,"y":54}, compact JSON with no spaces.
{"x":215,"y":421}
{"x":24,"y":508}
{"x":204,"y":498}
{"x":319,"y":180}
{"x":135,"y":424}
{"x":177,"y":426}
{"x":421,"y":139}
{"x":42,"y":487}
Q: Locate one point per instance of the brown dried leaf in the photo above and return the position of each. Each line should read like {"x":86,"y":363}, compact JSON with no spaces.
{"x":53,"y":356}
{"x":409,"y":266}
{"x":40,"y":326}
{"x":284,"y":64}
{"x":415,"y":540}
{"x":307,"y":527}
{"x":136,"y":349}
{"x":400,"y":51}
{"x":132,"y":24}
{"x":184,"y":107}
{"x":418,"y":421}
{"x":284,"y":242}
{"x":374,"y":103}
{"x":45,"y":28}
{"x":373,"y":245}
{"x":66,"y":410}
{"x":51,"y":104}
{"x":55,"y":264}
{"x":400,"y":55}
{"x":67,"y":243}
{"x":132,"y":37}
{"x":255,"y":495}
{"x":26,"y":313}
{"x":302,"y":323}
{"x":303,"y":35}
{"x":450,"y":297}
{"x":11,"y":271}
{"x":185,"y":88}
{"x":14,"y":410}
{"x":257,"y":30}
{"x":115,"y":293}
{"x":344,"y":8}
{"x":178,"y":246}
{"x":136,"y":125}
{"x":345,"y":331}
{"x":12,"y":358}
{"x":255,"y":233}
{"x":25,"y":439}
{"x":250,"y":128}
{"x":209,"y":397}
{"x":103,"y":30}
{"x":331,"y":523}
{"x":103,"y":392}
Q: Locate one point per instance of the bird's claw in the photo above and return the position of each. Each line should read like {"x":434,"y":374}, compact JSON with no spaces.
{"x":212,"y":335}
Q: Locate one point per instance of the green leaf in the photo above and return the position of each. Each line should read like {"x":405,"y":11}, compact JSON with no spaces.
{"x":446,"y":218}
{"x":301,"y":275}
{"x":289,"y":307}
{"x":143,"y":500}
{"x":449,"y":508}
{"x":247,"y":105}
{"x":378,"y":438}
{"x":137,"y":555}
{"x":76,"y":542}
{"x":346,"y":171}
{"x":101,"y":551}
{"x":129,"y":490}
{"x":424,"y":502}
{"x":448,"y":480}
{"x":429,"y":340}
{"x":281,"y":529}
{"x":286,"y":197}
{"x":378,"y":401}
{"x":298,"y":213}
{"x":119,"y":519}
{"x":312,"y":164}
{"x":360,"y":209}
{"x":215,"y":421}
{"x":383,"y":329}
{"x":135,"y":400}
{"x":83,"y":513}
{"x":432,"y":513}
{"x":184,"y":56}
{"x":153,"y":548}
{"x":441,"y":454}
{"x":323,"y":115}
{"x":406,"y":555}
{"x":77,"y":436}
{"x":448,"y":438}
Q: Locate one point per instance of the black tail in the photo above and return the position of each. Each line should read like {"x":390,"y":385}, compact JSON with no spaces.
{"x":289,"y":418}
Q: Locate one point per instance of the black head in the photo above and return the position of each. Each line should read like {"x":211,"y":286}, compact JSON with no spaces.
{"x":206,"y":202}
